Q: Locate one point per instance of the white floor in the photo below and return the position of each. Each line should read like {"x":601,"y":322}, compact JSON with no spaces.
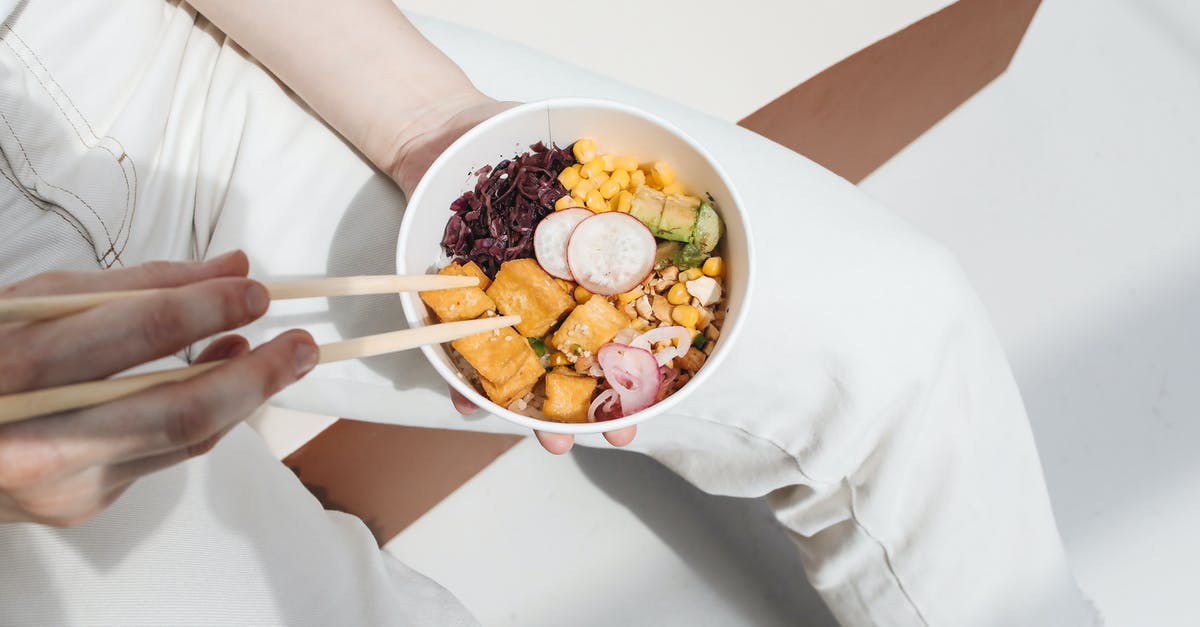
{"x":680,"y":48}
{"x":603,"y":538}
{"x":1068,"y":189}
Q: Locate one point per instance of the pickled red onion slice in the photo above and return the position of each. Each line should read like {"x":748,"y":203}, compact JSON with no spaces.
{"x":681,"y":335}
{"x":633,"y":373}
{"x":606,"y":407}
{"x":626,"y":336}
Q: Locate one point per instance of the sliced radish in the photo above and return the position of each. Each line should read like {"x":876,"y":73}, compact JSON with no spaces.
{"x":550,"y":240}
{"x":633,"y":373}
{"x":611,"y":253}
{"x":682,"y":342}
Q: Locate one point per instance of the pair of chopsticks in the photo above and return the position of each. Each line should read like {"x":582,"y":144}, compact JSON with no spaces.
{"x":23,"y":405}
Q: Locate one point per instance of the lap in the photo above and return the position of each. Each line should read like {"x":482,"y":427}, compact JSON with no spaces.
{"x":842,"y":283}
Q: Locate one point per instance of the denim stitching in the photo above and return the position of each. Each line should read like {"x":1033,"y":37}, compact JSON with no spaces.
{"x":29,"y":162}
{"x":130,"y":207}
{"x":130,"y":188}
{"x":47,"y":207}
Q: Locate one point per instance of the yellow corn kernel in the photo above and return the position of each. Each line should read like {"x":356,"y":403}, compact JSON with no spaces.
{"x":662,"y":174}
{"x":631,"y":295}
{"x":566,"y":285}
{"x":609,"y":189}
{"x":637,"y":178}
{"x":674,"y":188}
{"x":713,"y":266}
{"x":691,"y":274}
{"x":685,"y":315}
{"x":624,"y":201}
{"x":569,"y":177}
{"x":566,"y":202}
{"x":591,"y":168}
{"x":582,"y":188}
{"x":621,"y":177}
{"x":678,"y":294}
{"x":585,"y":150}
{"x":599,"y":179}
{"x":581,"y":294}
{"x":595,"y":202}
{"x":559,"y":358}
{"x":625,"y":163}
{"x":608,"y":161}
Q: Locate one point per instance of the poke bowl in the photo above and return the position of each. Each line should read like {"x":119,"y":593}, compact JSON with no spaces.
{"x":617,"y":239}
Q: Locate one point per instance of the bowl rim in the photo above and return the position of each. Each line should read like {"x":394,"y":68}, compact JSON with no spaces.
{"x":454,"y":378}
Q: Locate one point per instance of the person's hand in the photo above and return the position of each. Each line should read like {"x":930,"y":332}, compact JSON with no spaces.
{"x":62,"y":469}
{"x":441,"y":127}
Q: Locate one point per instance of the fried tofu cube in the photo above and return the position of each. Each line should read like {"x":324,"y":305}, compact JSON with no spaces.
{"x":523,"y":289}
{"x":568,"y":397}
{"x":591,"y":325}
{"x":505,"y":391}
{"x":496,"y":355}
{"x":473,"y":269}
{"x":459,"y":303}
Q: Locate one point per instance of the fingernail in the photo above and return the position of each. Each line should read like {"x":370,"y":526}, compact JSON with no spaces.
{"x":257,"y":299}
{"x":305,"y":356}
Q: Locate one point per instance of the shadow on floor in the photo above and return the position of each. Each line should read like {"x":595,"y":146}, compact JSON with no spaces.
{"x":735,"y":544}
{"x":1115,"y":418}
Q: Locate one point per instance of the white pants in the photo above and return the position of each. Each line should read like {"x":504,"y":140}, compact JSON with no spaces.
{"x":868,"y":398}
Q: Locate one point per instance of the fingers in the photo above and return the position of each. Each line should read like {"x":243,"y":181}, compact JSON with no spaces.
{"x":124,"y":473}
{"x":112,"y":337}
{"x":621,"y":437}
{"x":64,"y":505}
{"x":225,"y":347}
{"x":187,"y":415}
{"x":127,"y":472}
{"x":184,"y":416}
{"x":555,"y":443}
{"x":64,"y":469}
{"x":464,"y":406}
{"x":559,"y":443}
{"x":146,"y":275}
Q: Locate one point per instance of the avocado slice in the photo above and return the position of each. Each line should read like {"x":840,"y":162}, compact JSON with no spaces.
{"x":689,"y":257}
{"x":666,"y":253}
{"x":678,"y":218}
{"x":647,"y":206}
{"x":708,"y":228}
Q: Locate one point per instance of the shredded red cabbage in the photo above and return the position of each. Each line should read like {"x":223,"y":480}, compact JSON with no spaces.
{"x":495,"y":222}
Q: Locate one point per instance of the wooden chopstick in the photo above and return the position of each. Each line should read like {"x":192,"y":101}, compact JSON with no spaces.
{"x":46,"y":307}
{"x":25,"y":405}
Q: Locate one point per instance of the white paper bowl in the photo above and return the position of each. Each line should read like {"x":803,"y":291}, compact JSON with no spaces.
{"x":617,"y":129}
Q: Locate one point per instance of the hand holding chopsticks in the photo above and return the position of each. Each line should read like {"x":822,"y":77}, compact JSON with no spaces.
{"x":24,"y":405}
{"x":47,"y":307}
